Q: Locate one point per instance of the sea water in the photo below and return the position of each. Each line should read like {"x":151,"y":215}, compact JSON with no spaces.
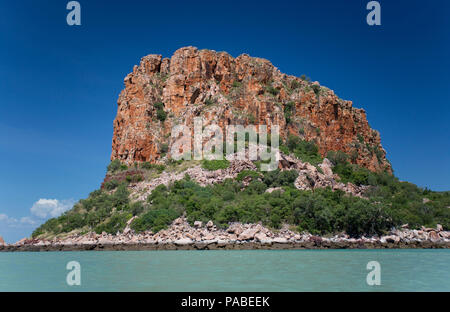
{"x":227,"y":270}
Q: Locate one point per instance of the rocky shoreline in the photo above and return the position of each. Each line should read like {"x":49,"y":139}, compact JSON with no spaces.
{"x":181,"y":236}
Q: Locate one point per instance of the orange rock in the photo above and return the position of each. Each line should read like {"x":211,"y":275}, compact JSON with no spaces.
{"x":227,"y":90}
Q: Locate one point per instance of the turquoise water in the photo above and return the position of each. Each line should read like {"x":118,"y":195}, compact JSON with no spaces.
{"x":252,"y":270}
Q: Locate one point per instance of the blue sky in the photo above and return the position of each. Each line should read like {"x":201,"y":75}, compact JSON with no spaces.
{"x":59,"y":83}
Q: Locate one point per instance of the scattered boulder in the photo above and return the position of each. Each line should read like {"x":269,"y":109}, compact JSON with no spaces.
{"x":183,"y":241}
{"x":235,"y":228}
{"x":178,"y":221}
{"x":326,"y":166}
{"x":261,"y":237}
{"x":209,"y":237}
{"x":22,"y":241}
{"x":280,"y":240}
{"x":198,"y":224}
{"x":392,"y":239}
{"x":248,"y":234}
{"x":273,"y":189}
{"x":127,"y":229}
{"x":434,"y":236}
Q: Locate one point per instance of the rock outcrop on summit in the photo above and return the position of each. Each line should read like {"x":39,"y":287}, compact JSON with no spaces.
{"x":161,"y":93}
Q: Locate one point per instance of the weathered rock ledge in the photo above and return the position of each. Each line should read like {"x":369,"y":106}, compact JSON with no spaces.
{"x":181,"y":236}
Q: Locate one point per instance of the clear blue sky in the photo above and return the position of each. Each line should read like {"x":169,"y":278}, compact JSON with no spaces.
{"x":59,"y":84}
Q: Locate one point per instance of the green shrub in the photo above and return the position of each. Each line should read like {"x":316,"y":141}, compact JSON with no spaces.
{"x":209,"y":102}
{"x":316,"y":89}
{"x":305,"y":78}
{"x":288,"y":111}
{"x":115,"y":224}
{"x":213,"y":165}
{"x":154,"y":220}
{"x":306,"y":151}
{"x":295,"y":84}
{"x":161,"y":115}
{"x":273,"y":91}
{"x":158,"y":105}
{"x":247,"y":173}
{"x":277,"y":178}
{"x":164,"y":148}
{"x":114,"y":166}
{"x":135,"y":178}
{"x":236,"y":84}
{"x":337,"y":157}
{"x":120,"y":196}
{"x":111,"y":185}
{"x":150,"y":166}
{"x":136,"y":208}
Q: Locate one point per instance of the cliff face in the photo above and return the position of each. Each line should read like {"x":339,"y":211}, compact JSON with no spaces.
{"x":226,"y":90}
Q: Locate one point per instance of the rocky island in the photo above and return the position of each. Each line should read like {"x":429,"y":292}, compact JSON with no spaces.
{"x":333,"y":186}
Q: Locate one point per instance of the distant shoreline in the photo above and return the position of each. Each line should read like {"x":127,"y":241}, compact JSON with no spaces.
{"x":230,"y":246}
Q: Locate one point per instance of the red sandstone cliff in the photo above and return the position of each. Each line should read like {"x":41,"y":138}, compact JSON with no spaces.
{"x":227,"y":90}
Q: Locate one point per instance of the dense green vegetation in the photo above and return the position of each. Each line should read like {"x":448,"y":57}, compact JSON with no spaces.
{"x":321,"y":211}
{"x":388,"y":201}
{"x":306,"y":151}
{"x":212,"y":165}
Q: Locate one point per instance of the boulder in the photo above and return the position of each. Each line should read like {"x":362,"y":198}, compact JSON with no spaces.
{"x":434,"y":236}
{"x":198,"y":224}
{"x":178,"y":221}
{"x":22,"y":241}
{"x":326,"y":166}
{"x":280,"y":240}
{"x":209,"y":237}
{"x":261,"y":237}
{"x":248,"y":234}
{"x":439,"y":228}
{"x":209,"y":225}
{"x":183,"y":241}
{"x":235,"y":228}
{"x":273,"y":189}
{"x":392,"y":239}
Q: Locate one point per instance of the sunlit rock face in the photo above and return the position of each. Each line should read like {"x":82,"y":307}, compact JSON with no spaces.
{"x":224,"y":90}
